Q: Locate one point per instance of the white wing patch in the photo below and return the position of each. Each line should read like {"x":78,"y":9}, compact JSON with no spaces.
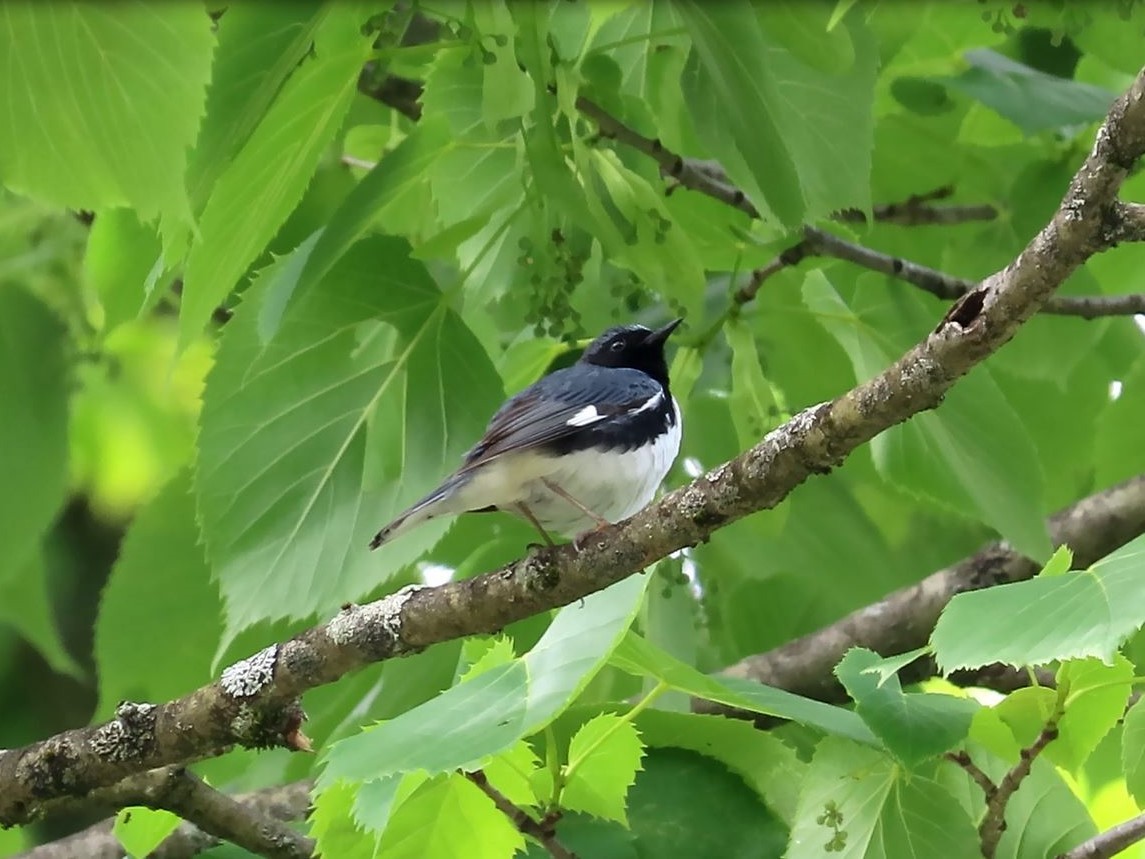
{"x":587,"y":415}
{"x":651,"y":403}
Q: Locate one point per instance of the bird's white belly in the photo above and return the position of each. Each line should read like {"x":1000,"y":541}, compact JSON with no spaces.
{"x":612,"y":484}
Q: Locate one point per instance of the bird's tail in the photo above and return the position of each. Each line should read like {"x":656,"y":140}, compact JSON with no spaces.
{"x":437,"y":503}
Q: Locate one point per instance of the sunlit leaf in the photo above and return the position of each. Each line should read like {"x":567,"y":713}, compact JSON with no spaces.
{"x":140,"y":830}
{"x":603,"y":758}
{"x":273,"y":167}
{"x":855,"y":802}
{"x":1085,"y":613}
{"x":101,"y":102}
{"x":504,"y":703}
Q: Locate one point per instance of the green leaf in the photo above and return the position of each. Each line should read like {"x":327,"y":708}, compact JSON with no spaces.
{"x":511,"y":771}
{"x":655,"y":247}
{"x":26,"y":604}
{"x":140,"y":830}
{"x":637,"y":657}
{"x":604,"y":756}
{"x":734,"y":97}
{"x":259,"y":45}
{"x":1033,"y":100}
{"x":1060,"y":563}
{"x":811,"y":33}
{"x":855,"y":802}
{"x":294,"y":473}
{"x":913,"y":726}
{"x":1045,"y":817}
{"x":1133,"y":750}
{"x":796,"y":137}
{"x":478,"y":171}
{"x":887,"y":668}
{"x":498,"y":653}
{"x":1085,"y":613}
{"x":685,"y":805}
{"x":102,"y":102}
{"x":33,"y":433}
{"x":765,"y":763}
{"x":333,"y":826}
{"x":633,"y":37}
{"x":390,"y":180}
{"x":1118,"y":452}
{"x":159,"y":592}
{"x":753,"y":402}
{"x":448,"y":817}
{"x":273,"y":167}
{"x":972,"y":454}
{"x":1096,"y":700}
{"x":121,"y":253}
{"x":501,"y":705}
{"x":506,"y":91}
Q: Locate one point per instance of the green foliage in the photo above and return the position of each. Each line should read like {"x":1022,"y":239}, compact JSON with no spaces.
{"x":1088,"y":613}
{"x":1133,"y":750}
{"x":33,"y":445}
{"x":913,"y":726}
{"x":323,"y":240}
{"x":856,"y":802}
{"x":126,"y":95}
{"x":360,"y":346}
{"x":604,"y":756}
{"x":160,"y":589}
{"x":140,"y":830}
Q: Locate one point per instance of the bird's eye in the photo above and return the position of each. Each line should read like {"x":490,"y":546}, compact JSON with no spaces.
{"x":617,"y":345}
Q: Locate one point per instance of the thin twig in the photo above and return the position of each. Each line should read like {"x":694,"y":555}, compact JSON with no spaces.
{"x":979,"y":777}
{"x":1111,"y":842}
{"x":211,"y":817}
{"x":916,"y":210}
{"x":817,"y":242}
{"x":542,"y":831}
{"x":994,"y":822}
{"x":1127,"y":223}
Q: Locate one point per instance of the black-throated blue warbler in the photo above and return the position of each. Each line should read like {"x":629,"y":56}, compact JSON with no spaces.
{"x":583,"y":447}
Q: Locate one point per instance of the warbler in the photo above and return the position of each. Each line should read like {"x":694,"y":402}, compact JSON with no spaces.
{"x":583,"y":447}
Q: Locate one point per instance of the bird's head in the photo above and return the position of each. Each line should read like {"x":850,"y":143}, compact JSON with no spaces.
{"x":632,"y":346}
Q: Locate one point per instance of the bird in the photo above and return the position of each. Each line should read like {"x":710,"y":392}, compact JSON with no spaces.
{"x":584,"y":447}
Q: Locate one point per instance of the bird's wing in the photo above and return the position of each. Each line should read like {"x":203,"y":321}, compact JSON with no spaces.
{"x":560,"y":405}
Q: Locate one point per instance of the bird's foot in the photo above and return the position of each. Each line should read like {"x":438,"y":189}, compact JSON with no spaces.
{"x":580,"y":541}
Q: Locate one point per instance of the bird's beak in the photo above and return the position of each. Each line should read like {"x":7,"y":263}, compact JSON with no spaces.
{"x":658,"y":336}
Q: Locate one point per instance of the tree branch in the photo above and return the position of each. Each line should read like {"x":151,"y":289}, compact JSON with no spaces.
{"x":916,"y":210}
{"x":1092,"y":528}
{"x":1124,"y":222}
{"x":255,"y":703}
{"x":817,"y":242}
{"x":249,"y":820}
{"x":977,"y":775}
{"x":543,"y":833}
{"x":994,"y":821}
{"x":1111,"y":842}
{"x":708,"y":177}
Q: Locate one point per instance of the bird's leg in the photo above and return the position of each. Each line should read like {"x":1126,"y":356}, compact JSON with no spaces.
{"x":528,"y":514}
{"x":600,"y":521}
